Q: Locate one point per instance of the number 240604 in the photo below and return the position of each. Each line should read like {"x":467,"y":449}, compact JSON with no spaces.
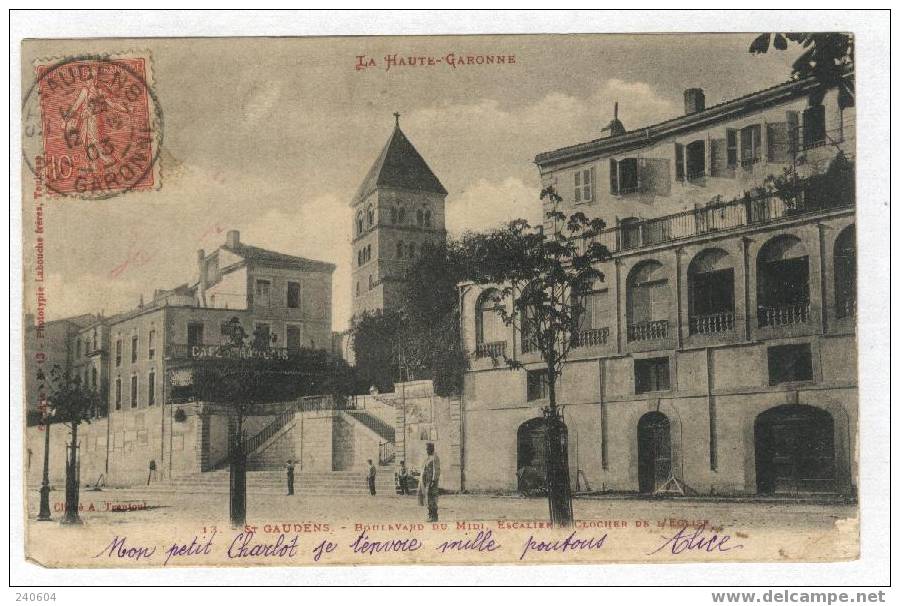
{"x":36,"y":597}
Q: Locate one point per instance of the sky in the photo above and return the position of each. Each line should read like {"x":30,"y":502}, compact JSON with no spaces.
{"x":272,"y":136}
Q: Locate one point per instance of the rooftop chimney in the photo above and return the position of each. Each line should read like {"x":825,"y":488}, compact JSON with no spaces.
{"x":201,"y":274}
{"x":233,"y":238}
{"x":694,"y":101}
{"x":615,"y":127}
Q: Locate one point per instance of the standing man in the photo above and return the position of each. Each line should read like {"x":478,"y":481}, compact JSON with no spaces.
{"x":371,"y":478}
{"x":152,"y":472}
{"x":403,"y":478}
{"x":428,"y":485}
{"x":290,"y":476}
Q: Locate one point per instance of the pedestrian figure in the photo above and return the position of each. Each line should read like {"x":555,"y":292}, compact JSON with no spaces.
{"x":290,"y":476}
{"x":371,"y":478}
{"x":152,"y":472}
{"x":429,"y":482}
{"x":403,"y":478}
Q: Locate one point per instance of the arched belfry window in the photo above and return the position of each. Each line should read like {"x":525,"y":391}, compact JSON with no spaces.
{"x":427,"y":217}
{"x":401,"y":215}
{"x":393,"y":214}
{"x":711,"y":292}
{"x":370,"y":216}
{"x":420,"y":218}
{"x":590,"y":311}
{"x":782,"y":278}
{"x":490,"y":329}
{"x":845,"y":272}
{"x":360,"y":227}
{"x":400,"y":250}
{"x":649,"y":302}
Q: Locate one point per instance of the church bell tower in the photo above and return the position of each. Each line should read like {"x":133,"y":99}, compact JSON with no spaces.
{"x":397,"y":210}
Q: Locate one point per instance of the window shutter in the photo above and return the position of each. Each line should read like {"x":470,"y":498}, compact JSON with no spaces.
{"x":640,"y":178}
{"x":793,"y":126}
{"x":613,"y":177}
{"x":592,"y":192}
{"x":777,"y":137}
{"x":578,"y":186}
{"x":718,"y":160}
{"x":813,"y":125}
{"x":731,"y":147}
{"x":679,"y":162}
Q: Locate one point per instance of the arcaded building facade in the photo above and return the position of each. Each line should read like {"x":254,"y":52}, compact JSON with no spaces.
{"x":715,"y":351}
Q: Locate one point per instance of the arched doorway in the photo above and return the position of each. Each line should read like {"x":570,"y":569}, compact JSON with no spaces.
{"x":654,"y":451}
{"x":794,"y":450}
{"x":531,"y":466}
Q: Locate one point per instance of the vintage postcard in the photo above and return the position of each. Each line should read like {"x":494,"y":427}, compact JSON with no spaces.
{"x":310,"y":301}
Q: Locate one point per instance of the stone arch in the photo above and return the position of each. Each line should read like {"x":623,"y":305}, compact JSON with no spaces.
{"x":711,"y":294}
{"x":845,"y":272}
{"x":782,"y":282}
{"x":489,"y":326}
{"x":648,"y":301}
{"x":795,"y":450}
{"x":654,"y":445}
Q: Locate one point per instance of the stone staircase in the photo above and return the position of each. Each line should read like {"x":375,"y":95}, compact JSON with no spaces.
{"x":274,"y":482}
{"x":385,"y":431}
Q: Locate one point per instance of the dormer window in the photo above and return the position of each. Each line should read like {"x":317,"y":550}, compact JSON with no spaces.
{"x":584,"y":185}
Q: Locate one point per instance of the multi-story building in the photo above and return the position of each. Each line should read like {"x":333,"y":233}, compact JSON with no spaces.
{"x":398,"y":208}
{"x":142,"y":359}
{"x":715,"y":350}
{"x":90,"y":358}
{"x":49,"y":345}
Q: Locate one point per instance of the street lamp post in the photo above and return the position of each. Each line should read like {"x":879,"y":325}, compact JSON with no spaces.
{"x":44,"y":514}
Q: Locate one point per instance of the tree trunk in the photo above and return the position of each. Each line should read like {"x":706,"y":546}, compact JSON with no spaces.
{"x":238,"y":480}
{"x":71,"y":515}
{"x":559,"y":490}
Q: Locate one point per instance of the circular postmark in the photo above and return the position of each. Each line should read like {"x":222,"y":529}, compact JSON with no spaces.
{"x":93,"y":127}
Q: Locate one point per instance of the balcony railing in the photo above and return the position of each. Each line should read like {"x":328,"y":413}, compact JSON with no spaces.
{"x":784,"y":315}
{"x":714,"y":218}
{"x":528,"y":344}
{"x":590,"y":338}
{"x":386,"y":453}
{"x":494,"y":350}
{"x":648,"y":331}
{"x":710,"y":324}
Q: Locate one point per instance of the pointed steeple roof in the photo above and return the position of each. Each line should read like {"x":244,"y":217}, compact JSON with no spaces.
{"x":400,"y":165}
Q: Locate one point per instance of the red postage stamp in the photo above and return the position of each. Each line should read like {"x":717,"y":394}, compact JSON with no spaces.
{"x":100,"y":126}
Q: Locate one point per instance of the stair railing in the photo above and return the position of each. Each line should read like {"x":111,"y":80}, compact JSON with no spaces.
{"x":252,"y":443}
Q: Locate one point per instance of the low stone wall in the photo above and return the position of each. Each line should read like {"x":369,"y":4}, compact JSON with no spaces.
{"x":119,"y":448}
